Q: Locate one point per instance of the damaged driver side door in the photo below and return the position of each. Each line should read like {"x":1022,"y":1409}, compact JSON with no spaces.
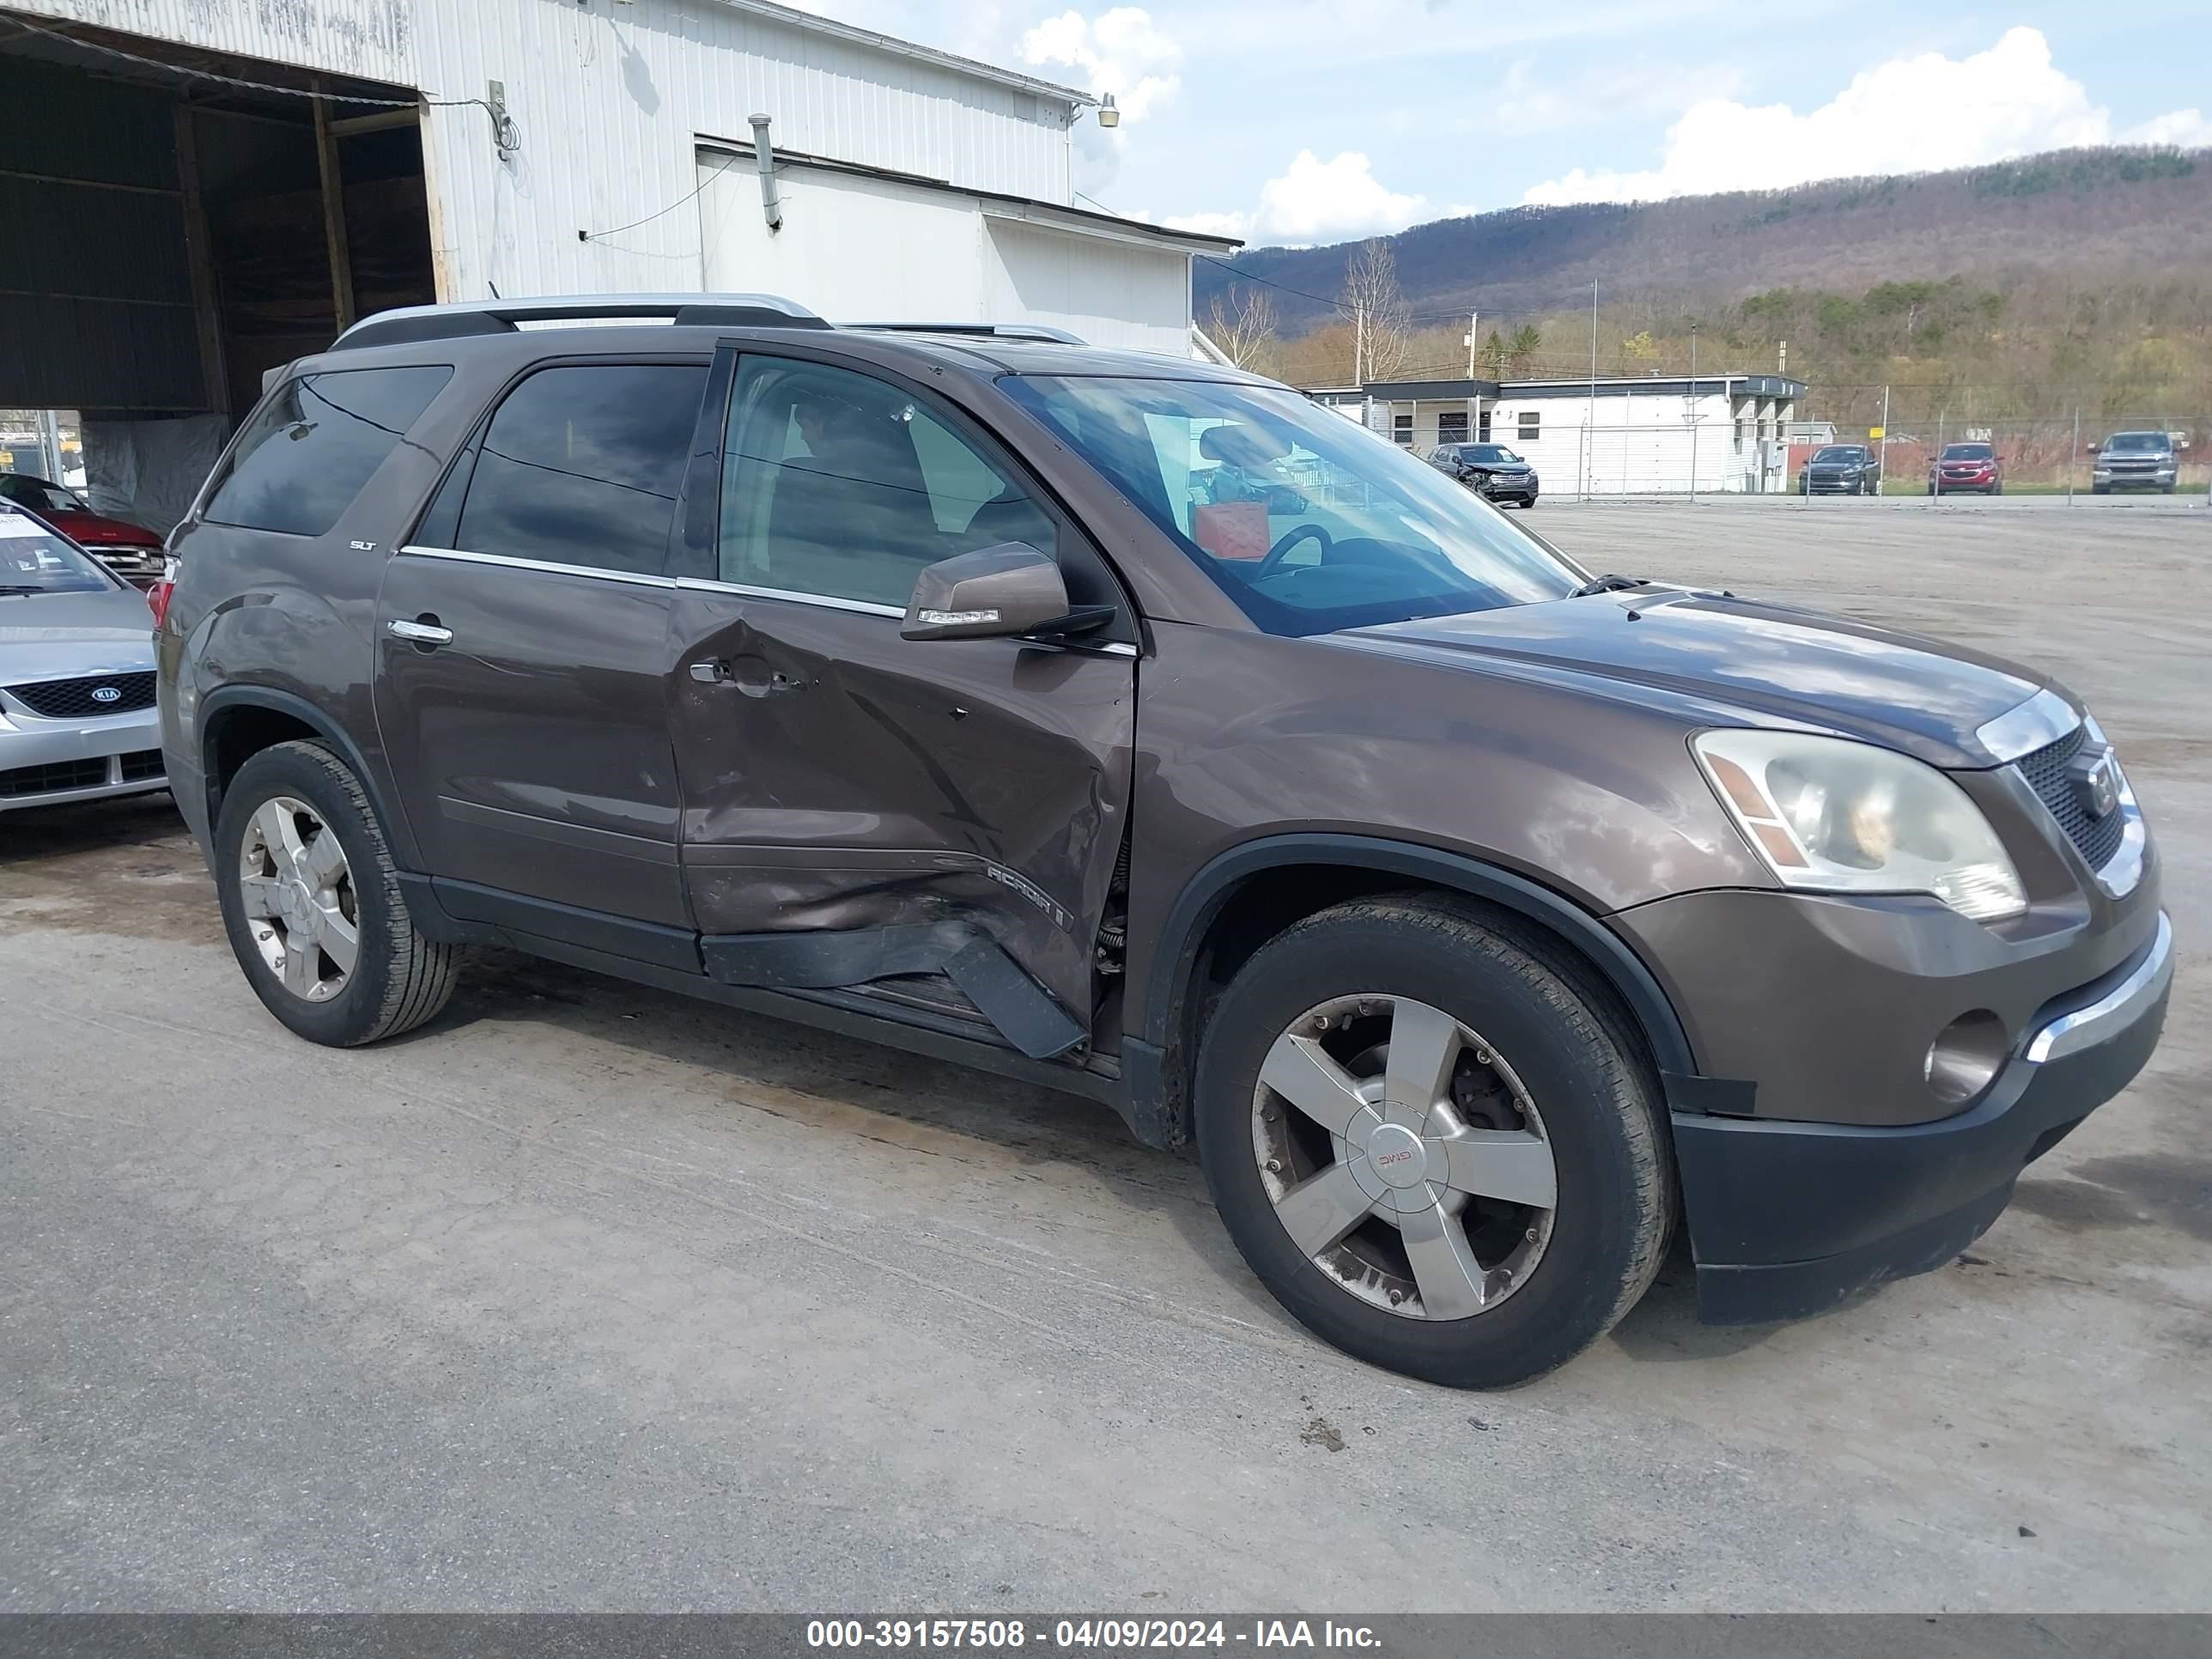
{"x":934,"y":824}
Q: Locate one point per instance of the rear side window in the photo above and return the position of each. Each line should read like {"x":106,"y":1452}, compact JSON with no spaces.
{"x":580,"y":465}
{"x":310,"y":449}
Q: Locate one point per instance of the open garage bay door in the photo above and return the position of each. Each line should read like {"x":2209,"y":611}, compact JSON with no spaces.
{"x":168,"y":236}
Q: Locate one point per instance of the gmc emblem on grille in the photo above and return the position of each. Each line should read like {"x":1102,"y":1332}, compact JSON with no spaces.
{"x":105,"y":694}
{"x":2101,"y":786}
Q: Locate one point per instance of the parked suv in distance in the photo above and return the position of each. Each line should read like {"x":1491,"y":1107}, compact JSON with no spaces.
{"x":1967,"y":466}
{"x":1492,"y":471}
{"x":1842,"y":470}
{"x":2135,"y":460}
{"x":1476,"y":917}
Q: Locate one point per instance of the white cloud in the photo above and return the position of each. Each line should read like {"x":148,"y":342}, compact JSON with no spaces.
{"x":1317,"y":201}
{"x":2189,"y":128}
{"x":1119,"y":52}
{"x":1909,"y":115}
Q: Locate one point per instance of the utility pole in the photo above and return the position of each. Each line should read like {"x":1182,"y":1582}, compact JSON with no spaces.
{"x":1882,"y":471}
{"x":1694,"y":411}
{"x":1589,"y":425}
{"x":1474,"y":323}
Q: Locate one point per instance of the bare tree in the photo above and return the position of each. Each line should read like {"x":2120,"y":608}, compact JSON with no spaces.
{"x":1245,"y":328}
{"x":1382,"y":322}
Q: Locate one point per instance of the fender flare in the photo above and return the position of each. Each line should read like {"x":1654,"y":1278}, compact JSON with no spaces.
{"x":1149,"y":1057}
{"x":225,"y":697}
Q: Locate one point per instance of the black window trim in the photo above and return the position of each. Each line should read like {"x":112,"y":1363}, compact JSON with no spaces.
{"x":471,"y":447}
{"x":700,"y":520}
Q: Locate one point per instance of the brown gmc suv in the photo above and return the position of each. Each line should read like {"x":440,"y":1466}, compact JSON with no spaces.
{"x":1140,"y":729}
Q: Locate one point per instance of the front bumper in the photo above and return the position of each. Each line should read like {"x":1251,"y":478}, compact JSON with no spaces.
{"x":50,"y":762}
{"x":1789,"y":1218}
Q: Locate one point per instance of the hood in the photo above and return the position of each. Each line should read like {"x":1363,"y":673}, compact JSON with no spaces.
{"x":1722,"y":660}
{"x":99,"y":528}
{"x":53,"y":636}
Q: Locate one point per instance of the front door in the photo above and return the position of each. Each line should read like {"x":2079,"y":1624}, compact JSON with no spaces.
{"x":522,"y":636}
{"x":936,"y":821}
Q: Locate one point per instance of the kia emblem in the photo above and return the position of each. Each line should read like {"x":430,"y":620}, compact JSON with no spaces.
{"x":105,"y":694}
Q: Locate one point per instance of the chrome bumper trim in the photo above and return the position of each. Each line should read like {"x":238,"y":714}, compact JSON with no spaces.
{"x":2113,"y":1011}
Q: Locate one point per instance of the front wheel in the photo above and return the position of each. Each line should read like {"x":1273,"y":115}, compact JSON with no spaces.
{"x":311,"y":903}
{"x":1429,"y":1133}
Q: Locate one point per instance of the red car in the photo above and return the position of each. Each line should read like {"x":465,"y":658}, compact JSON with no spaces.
{"x":1967,"y":466}
{"x":131,"y":550}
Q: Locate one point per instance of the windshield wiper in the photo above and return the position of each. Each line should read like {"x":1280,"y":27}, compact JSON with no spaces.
{"x":20,"y":587}
{"x":1609,"y":583}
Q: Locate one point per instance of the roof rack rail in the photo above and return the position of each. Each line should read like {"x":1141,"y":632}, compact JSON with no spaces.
{"x":999,"y":330}
{"x":410,"y":323}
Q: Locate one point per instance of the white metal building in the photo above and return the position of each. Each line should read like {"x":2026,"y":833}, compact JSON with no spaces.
{"x":275,"y":169}
{"x":1614,"y":435}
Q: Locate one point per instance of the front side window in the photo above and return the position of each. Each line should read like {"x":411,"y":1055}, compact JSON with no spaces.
{"x":34,"y":560}
{"x":1310,"y":523}
{"x":308,"y":450}
{"x":838,"y":486}
{"x":580,"y":466}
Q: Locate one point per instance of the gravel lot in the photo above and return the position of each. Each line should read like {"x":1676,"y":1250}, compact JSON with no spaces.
{"x":588,"y":1297}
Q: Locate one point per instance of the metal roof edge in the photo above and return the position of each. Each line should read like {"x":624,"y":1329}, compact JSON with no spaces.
{"x":892,"y":45}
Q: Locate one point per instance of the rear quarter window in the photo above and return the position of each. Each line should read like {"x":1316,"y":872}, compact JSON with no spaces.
{"x":306,"y":452}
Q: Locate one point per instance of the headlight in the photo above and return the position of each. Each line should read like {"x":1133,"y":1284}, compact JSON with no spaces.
{"x":1831,"y":816}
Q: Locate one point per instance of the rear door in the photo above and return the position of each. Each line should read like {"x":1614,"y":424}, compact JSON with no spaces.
{"x":522,"y":635}
{"x":936,"y":821}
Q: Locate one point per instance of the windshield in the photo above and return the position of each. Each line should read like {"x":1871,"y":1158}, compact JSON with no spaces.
{"x":1491,"y":453}
{"x":1968,"y":453}
{"x":1308,"y":520}
{"x":1840,"y":453}
{"x":34,"y":560}
{"x":2136,"y":443}
{"x":39,"y":496}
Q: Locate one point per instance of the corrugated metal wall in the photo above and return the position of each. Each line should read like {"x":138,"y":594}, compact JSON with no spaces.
{"x":92,"y":268}
{"x":371,"y":39}
{"x":608,"y":98}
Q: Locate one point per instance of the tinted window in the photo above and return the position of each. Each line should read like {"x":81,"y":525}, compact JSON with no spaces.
{"x":1968,"y":453}
{"x":309,"y":449}
{"x":39,"y":496}
{"x":1309,"y":521}
{"x":580,"y":465}
{"x":1835,"y":453}
{"x":840,"y":486}
{"x":2137,"y":443}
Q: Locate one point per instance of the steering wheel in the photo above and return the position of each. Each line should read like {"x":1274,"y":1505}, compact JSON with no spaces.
{"x":1291,"y":538}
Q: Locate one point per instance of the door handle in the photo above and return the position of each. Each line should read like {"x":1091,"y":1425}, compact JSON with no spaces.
{"x":423,"y":631}
{"x":711,"y":672}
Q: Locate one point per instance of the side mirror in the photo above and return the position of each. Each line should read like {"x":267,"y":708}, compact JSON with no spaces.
{"x":994,"y":592}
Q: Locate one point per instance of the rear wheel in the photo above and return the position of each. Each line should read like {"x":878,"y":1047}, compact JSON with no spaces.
{"x":1433,"y":1140}
{"x":311,"y":903}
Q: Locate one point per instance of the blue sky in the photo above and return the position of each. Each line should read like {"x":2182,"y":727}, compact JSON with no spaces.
{"x":1314,"y":121}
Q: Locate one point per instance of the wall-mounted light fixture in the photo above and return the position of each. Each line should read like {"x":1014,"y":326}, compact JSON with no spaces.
{"x":1107,"y":115}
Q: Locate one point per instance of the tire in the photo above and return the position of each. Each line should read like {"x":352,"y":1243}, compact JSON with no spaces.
{"x":397,"y":978}
{"x":1529,"y":504}
{"x":2101,"y":489}
{"x":1933,"y":490}
{"x":1563,"y":1051}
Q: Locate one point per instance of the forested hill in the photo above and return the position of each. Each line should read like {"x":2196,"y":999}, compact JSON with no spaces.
{"x":2138,"y":216}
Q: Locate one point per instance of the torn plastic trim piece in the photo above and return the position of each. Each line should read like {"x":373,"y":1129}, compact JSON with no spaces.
{"x":1023,"y":1012}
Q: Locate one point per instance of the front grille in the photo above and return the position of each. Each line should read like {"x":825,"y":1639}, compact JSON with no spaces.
{"x":70,"y":699}
{"x":2096,"y":838}
{"x":46,"y":779}
{"x":141,"y":763}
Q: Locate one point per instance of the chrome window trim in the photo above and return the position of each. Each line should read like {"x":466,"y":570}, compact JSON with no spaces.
{"x":596,"y":573}
{"x":2041,"y":721}
{"x":863,"y":607}
{"x":828,"y":602}
{"x":2113,"y":1011}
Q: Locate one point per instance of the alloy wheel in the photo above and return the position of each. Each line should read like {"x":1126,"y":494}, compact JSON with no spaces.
{"x":298,"y":894}
{"x":1403,"y":1157}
